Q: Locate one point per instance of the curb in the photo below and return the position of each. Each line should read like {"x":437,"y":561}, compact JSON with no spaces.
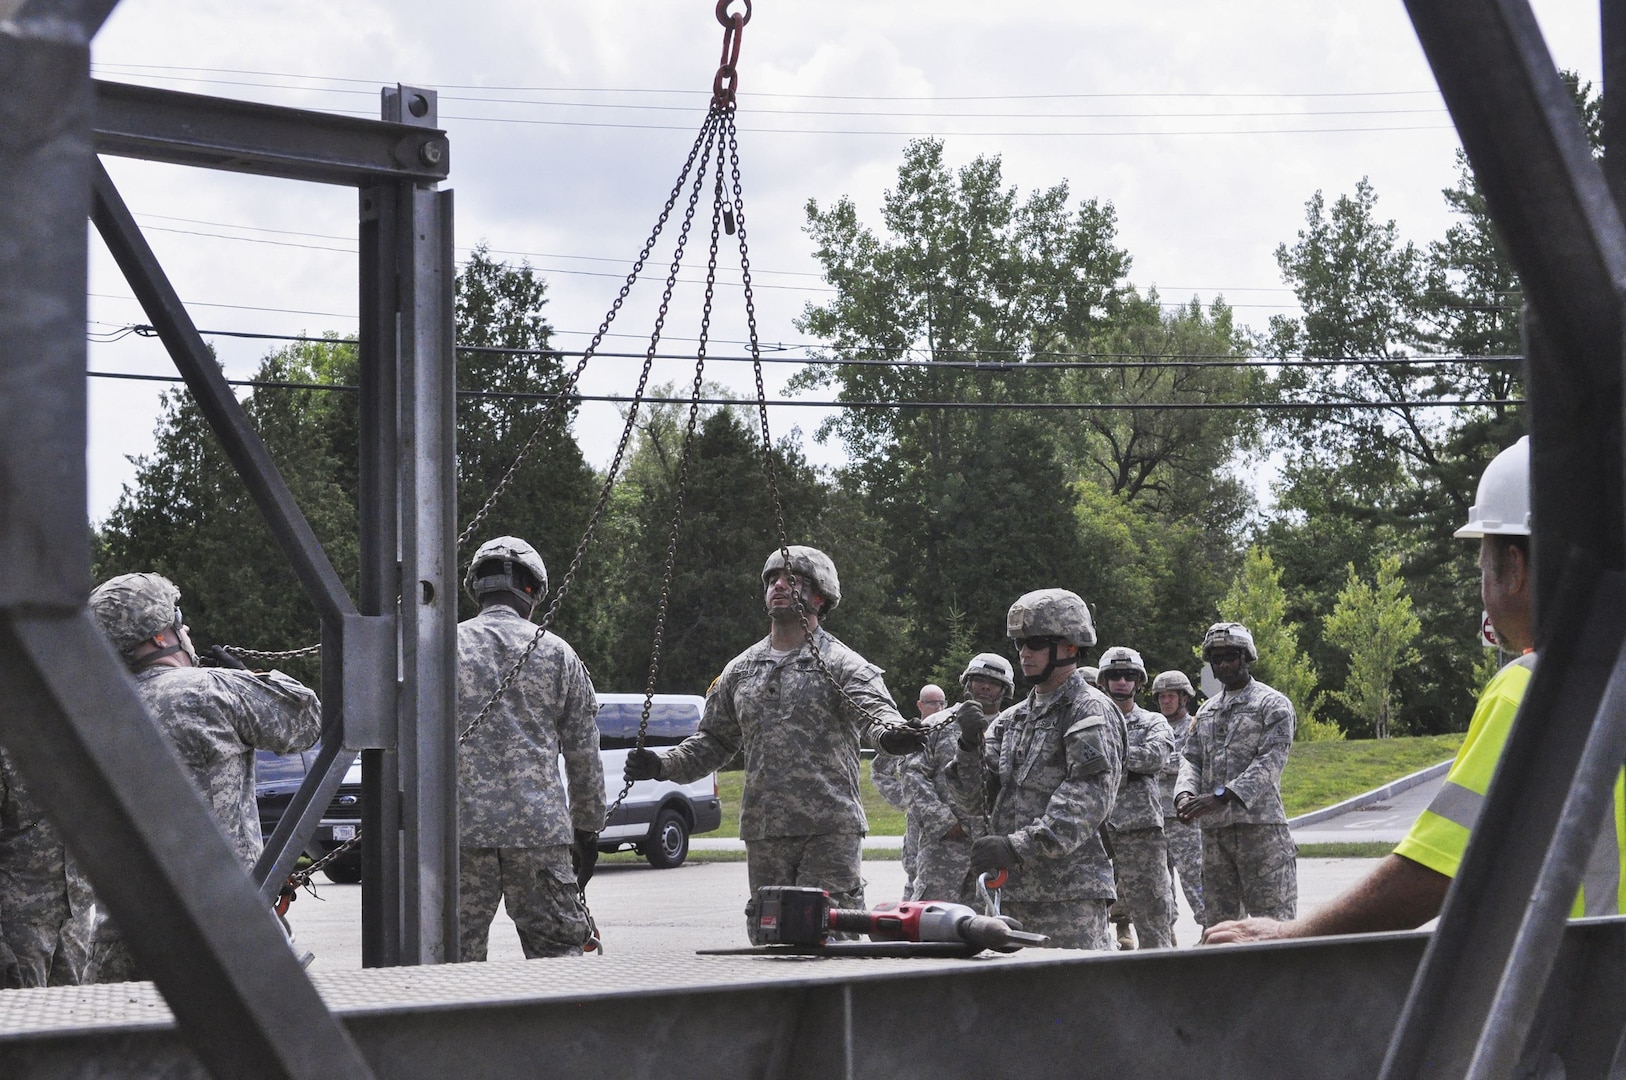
{"x":1387,"y":791}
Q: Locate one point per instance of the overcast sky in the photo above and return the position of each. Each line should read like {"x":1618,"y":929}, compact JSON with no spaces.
{"x":1207,"y":125}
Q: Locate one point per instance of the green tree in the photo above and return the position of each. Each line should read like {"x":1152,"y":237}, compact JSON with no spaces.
{"x":1376,"y":625}
{"x":189,"y":517}
{"x":1256,"y":600}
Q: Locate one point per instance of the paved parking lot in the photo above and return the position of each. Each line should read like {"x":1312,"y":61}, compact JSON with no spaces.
{"x":695,"y":906}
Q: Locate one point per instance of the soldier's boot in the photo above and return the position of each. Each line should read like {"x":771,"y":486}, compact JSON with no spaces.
{"x":1126,"y":934}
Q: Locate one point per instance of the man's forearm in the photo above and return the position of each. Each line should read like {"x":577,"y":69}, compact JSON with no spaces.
{"x":1399,"y":895}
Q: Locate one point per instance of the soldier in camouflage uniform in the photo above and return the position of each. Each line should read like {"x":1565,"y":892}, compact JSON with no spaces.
{"x":1051,"y":766}
{"x":800,"y":814}
{"x":1174,"y":693}
{"x":1231,"y":784}
{"x":45,"y":903}
{"x":214,"y":717}
{"x":887,"y":772}
{"x":520,"y":839}
{"x":1140,"y":856}
{"x":946,"y":832}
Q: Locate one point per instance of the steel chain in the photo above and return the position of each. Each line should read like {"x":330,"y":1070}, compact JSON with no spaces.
{"x":767,"y":438}
{"x":682,"y":481}
{"x":264,"y":654}
{"x":709,"y":128}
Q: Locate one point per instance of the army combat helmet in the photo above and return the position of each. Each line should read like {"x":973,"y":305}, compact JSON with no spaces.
{"x":1119,"y":659}
{"x":812,"y":564}
{"x":1058,"y":614}
{"x":1173,"y":680}
{"x":1230,"y":635}
{"x":132,"y":609}
{"x":508,"y":565}
{"x":993,"y":666}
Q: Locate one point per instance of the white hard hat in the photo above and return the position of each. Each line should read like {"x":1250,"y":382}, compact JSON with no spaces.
{"x":1502,"y":504}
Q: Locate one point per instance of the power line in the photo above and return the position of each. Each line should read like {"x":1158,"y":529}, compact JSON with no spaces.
{"x":1082,"y":361}
{"x":746,"y":94}
{"x":991,"y":406}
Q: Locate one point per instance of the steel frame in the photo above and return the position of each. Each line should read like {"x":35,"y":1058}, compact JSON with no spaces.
{"x":76,"y":729}
{"x":1502,"y":983}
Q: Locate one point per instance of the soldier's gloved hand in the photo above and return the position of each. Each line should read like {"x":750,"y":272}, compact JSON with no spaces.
{"x":993,"y":853}
{"x":223,"y":658}
{"x":644,"y":765}
{"x":584,"y":857}
{"x":972,"y":721}
{"x":902,"y":739}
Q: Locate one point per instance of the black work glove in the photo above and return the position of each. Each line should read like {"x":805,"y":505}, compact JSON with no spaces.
{"x":902,"y":739}
{"x":992,"y":853}
{"x":584,"y":857}
{"x":220,"y":657}
{"x":973,"y":722}
{"x":644,"y":765}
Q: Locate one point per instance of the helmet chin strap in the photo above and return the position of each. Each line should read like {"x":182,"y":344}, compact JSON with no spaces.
{"x":1050,"y":668}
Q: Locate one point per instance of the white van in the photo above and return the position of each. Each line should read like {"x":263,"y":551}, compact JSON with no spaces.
{"x":658,"y":816}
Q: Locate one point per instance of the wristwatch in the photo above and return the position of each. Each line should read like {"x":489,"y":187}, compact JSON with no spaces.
{"x":1220,"y":793}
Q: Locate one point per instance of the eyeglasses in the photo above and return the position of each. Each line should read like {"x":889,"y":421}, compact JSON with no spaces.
{"x":1036,"y":644}
{"x":1224,"y":656}
{"x":1120,"y":676}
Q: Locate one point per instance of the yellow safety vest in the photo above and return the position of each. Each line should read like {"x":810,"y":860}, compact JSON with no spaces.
{"x":1440,"y":835}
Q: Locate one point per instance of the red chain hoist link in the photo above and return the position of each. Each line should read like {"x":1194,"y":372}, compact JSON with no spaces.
{"x":727,"y":79}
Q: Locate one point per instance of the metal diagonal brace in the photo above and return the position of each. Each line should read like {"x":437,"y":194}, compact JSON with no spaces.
{"x":159,"y":863}
{"x":1523,"y":136}
{"x":1471,"y":1007}
{"x":220,"y":407}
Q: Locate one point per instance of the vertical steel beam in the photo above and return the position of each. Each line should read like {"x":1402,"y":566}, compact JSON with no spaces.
{"x":428,"y":734}
{"x":45,"y":118}
{"x":380,"y":585}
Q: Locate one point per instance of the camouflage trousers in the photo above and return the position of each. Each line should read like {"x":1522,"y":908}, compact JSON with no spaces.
{"x":47,"y":943}
{"x":943,"y":872}
{"x":832,"y":862}
{"x":1140,"y":871}
{"x":538,"y":888}
{"x":109,"y":961}
{"x":1185,"y":857}
{"x":1249,"y":870}
{"x":1069,"y":924}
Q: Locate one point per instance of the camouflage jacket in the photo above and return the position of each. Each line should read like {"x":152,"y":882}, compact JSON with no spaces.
{"x":929,"y":797}
{"x":800,"y":739}
{"x":1241,"y":743}
{"x":215,"y":718}
{"x":1149,"y":742}
{"x":1171,"y":766}
{"x":887,"y":772}
{"x":1053,"y":774}
{"x":510,"y":792}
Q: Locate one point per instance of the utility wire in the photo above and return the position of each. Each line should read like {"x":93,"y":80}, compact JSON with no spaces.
{"x":988,"y":406}
{"x":1088,"y":361}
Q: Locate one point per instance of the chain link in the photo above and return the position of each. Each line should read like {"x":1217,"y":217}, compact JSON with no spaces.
{"x":263,"y":654}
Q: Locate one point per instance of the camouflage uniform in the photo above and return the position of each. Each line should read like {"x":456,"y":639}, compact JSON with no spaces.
{"x":1140,"y":857}
{"x":887,"y":772}
{"x":943,"y":864}
{"x":1241,"y":739}
{"x":45,"y":903}
{"x":1185,"y":841}
{"x":1053,"y":770}
{"x":515,"y":830}
{"x":215,"y":718}
{"x":801,"y":816}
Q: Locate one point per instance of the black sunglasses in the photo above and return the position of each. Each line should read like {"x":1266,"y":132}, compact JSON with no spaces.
{"x":1035,"y":644}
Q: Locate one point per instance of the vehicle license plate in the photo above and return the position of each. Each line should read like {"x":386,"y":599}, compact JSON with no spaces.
{"x":344,"y":832}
